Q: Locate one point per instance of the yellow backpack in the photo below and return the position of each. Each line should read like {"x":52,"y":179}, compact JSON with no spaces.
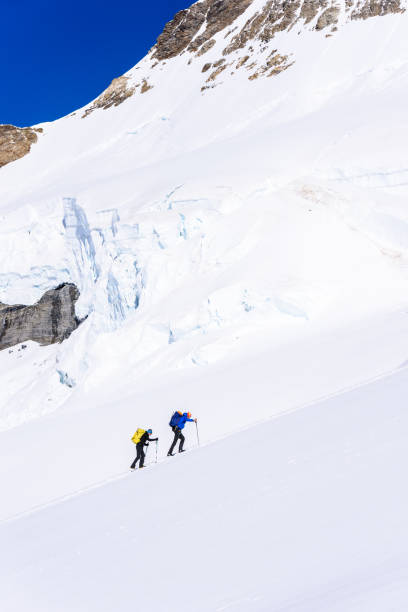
{"x":137,"y":435}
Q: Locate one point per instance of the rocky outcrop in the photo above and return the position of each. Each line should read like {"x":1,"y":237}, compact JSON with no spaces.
{"x":327,"y":18}
{"x":50,"y":320}
{"x":310,"y":8}
{"x":221,"y":14}
{"x":376,"y":8}
{"x":212,"y":16}
{"x":275,"y":16}
{"x":16,"y":142}
{"x":180,"y":33}
{"x":145,"y":86}
{"x":275,"y":64}
{"x":206,"y":47}
{"x":117,"y":92}
{"x":193,"y":30}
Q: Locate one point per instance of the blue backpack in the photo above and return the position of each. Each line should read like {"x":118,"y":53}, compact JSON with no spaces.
{"x":175,"y":419}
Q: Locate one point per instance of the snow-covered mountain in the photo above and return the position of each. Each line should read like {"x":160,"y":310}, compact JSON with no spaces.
{"x":233,"y":211}
{"x":209,"y":206}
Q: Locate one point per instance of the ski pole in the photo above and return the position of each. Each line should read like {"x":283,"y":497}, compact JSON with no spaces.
{"x":156,"y":451}
{"x":198,"y":437}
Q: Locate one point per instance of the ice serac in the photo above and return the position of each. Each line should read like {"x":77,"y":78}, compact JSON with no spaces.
{"x":52,"y":319}
{"x":236,"y":193}
{"x":16,"y":142}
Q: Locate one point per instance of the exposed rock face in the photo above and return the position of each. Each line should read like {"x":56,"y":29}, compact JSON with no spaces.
{"x":275,"y":64}
{"x":179,"y":33}
{"x":212,"y":16}
{"x":206,"y":47}
{"x":16,"y":142}
{"x":194,"y":31}
{"x":274,"y":17}
{"x":328,"y":17}
{"x":310,"y":8}
{"x":221,"y":14}
{"x":376,"y":8}
{"x":51,"y":319}
{"x":117,"y":92}
{"x":145,"y":86}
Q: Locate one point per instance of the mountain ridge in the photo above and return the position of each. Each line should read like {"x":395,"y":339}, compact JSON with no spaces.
{"x":192,"y":30}
{"x":189,"y":220}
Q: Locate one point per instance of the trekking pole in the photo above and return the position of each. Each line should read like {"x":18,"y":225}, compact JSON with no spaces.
{"x":198,"y":437}
{"x":156,"y":451}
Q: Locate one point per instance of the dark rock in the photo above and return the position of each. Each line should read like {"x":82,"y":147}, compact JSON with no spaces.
{"x":52,"y":319}
{"x":179,"y":32}
{"x":221,"y":14}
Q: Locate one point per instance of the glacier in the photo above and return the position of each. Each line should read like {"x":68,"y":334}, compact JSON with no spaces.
{"x":241,"y":252}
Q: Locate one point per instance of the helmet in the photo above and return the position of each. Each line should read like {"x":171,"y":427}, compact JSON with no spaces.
{"x":149,"y":431}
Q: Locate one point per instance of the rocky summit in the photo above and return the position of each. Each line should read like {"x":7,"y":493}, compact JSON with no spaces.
{"x":235,"y":28}
{"x":50,"y":320}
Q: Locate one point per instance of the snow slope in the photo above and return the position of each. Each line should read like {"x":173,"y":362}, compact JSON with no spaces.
{"x":241,"y":252}
{"x":306,"y":513}
{"x":191,"y":219}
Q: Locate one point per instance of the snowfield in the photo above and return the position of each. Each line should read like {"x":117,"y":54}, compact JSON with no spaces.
{"x":241,"y":252}
{"x":303,"y":513}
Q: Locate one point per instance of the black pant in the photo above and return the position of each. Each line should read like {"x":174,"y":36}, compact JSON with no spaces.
{"x":177,"y":436}
{"x":140,"y":456}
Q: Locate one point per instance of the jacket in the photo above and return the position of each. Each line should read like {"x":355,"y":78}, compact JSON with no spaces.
{"x":144,"y":440}
{"x":183,"y":420}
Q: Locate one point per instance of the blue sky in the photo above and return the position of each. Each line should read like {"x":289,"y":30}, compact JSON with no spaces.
{"x":57,"y":56}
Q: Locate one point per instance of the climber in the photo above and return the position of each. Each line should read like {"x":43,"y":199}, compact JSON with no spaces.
{"x":177,"y":422}
{"x":141,"y":438}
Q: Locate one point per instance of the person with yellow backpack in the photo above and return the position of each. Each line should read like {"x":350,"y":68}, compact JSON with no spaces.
{"x":141,"y":438}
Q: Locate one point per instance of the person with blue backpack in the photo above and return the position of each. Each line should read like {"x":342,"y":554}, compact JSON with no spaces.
{"x":177,"y":423}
